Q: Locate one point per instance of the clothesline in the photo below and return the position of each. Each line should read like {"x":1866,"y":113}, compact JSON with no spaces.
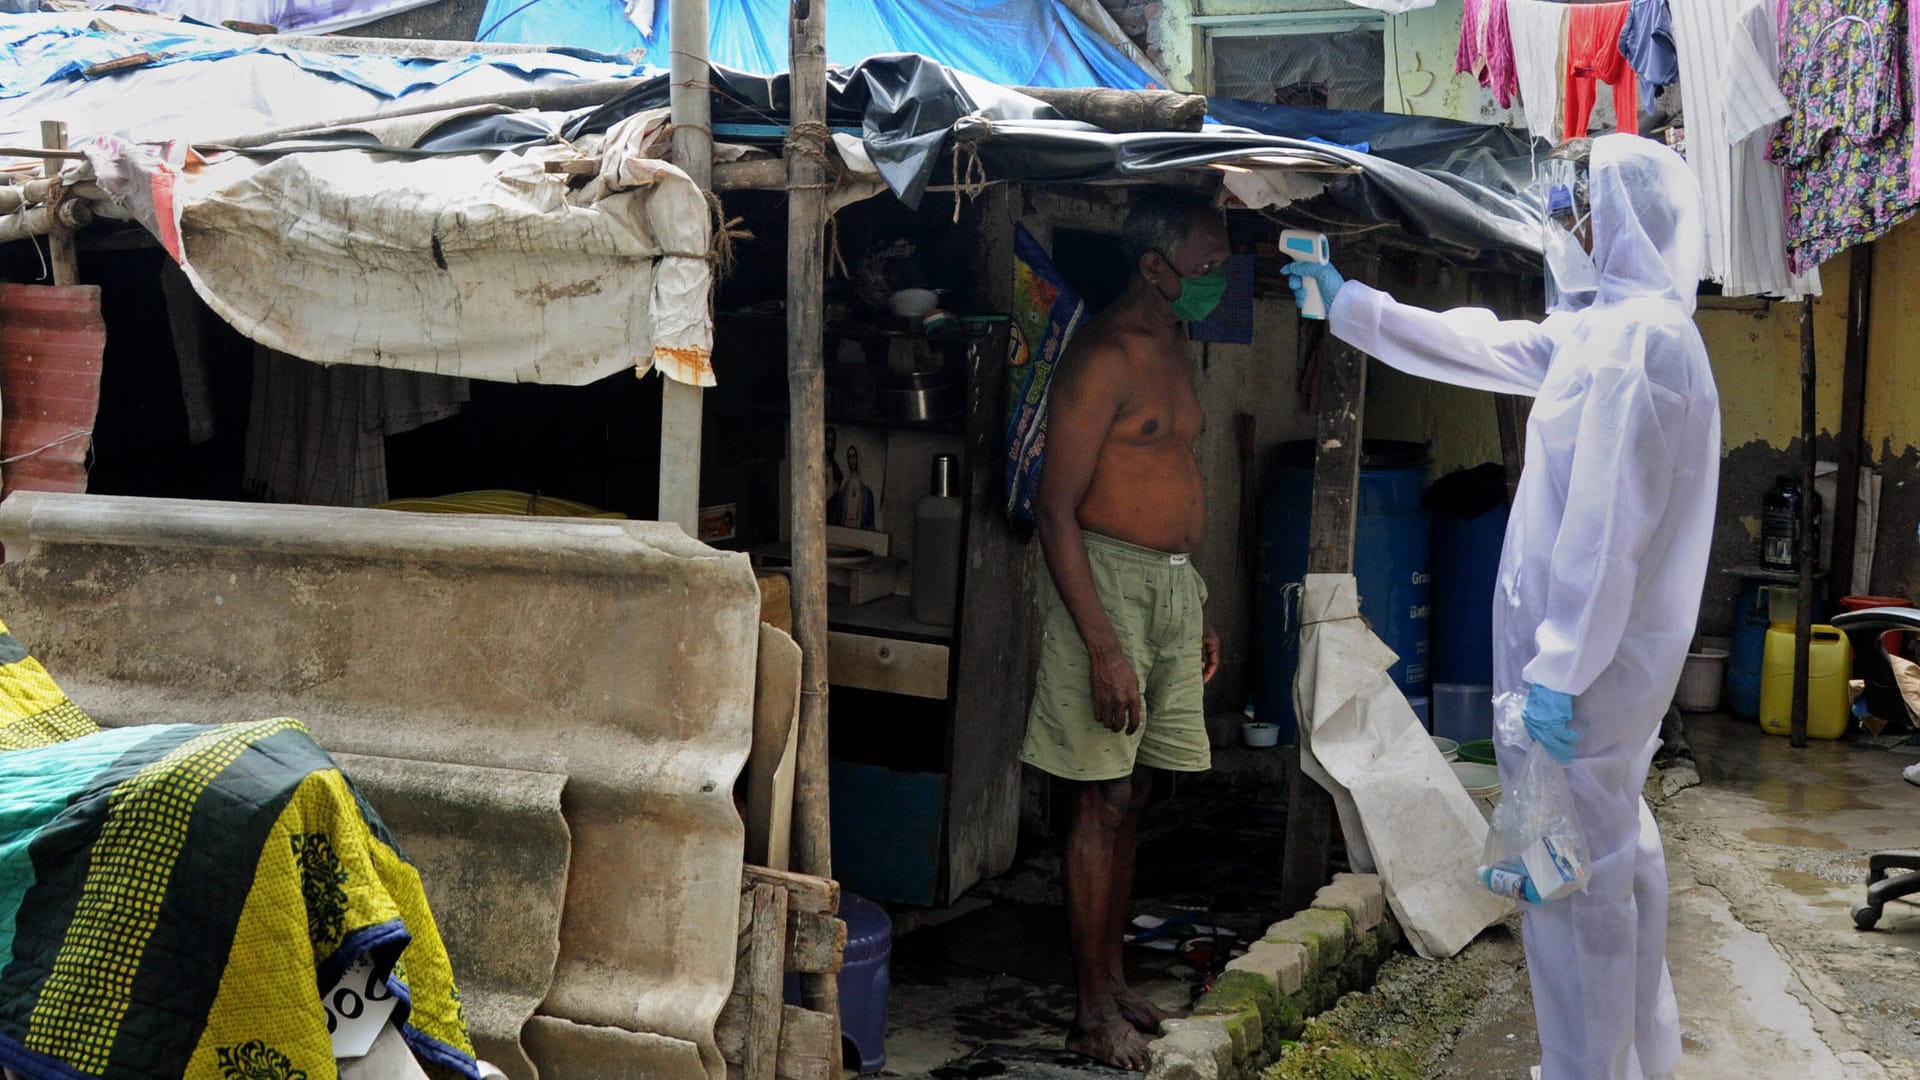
{"x":1798,"y":126}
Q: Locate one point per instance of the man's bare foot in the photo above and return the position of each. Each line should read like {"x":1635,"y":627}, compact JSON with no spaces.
{"x":1113,"y":1042}
{"x":1144,"y":1015}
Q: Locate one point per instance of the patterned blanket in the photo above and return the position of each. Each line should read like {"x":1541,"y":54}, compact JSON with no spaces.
{"x":175,"y":898}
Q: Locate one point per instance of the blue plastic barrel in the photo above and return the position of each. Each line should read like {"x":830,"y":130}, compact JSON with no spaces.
{"x":1390,"y":554}
{"x":1746,"y":650}
{"x":1466,"y":564}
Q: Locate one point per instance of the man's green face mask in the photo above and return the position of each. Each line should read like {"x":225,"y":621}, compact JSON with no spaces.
{"x":1199,"y":295}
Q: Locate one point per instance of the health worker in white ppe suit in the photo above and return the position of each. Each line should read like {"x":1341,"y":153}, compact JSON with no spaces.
{"x":1604,"y":561}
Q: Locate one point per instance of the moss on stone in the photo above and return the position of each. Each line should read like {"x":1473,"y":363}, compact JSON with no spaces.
{"x":1325,"y":935}
{"x":1321,"y":1054}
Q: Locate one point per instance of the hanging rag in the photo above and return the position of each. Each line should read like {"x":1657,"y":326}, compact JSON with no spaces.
{"x":1848,"y":144}
{"x":1537,"y":31}
{"x":1466,"y":59}
{"x":316,"y":434}
{"x":1486,"y":49}
{"x":1647,"y":43}
{"x":1730,"y":56}
{"x":1593,"y":53}
{"x":1502,"y":76}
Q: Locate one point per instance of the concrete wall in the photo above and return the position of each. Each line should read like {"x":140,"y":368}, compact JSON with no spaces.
{"x":1419,"y":47}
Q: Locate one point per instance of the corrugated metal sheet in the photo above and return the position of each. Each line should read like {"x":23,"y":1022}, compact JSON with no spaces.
{"x":51,"y":342}
{"x":618,"y":656}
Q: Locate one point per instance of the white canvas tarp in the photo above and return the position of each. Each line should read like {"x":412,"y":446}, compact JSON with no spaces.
{"x":1402,"y":812}
{"x":481,"y":265}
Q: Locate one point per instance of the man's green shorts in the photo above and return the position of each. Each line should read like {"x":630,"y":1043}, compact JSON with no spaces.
{"x":1154,"y":601}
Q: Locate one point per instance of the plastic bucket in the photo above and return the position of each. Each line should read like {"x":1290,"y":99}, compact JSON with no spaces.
{"x":1482,"y":783}
{"x":1479,"y":751}
{"x":1701,"y":679}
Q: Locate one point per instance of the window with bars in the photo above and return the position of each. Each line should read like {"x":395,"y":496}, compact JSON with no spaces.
{"x":1319,"y":64}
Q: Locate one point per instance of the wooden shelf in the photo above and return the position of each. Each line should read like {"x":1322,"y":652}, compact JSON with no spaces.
{"x":891,"y":616}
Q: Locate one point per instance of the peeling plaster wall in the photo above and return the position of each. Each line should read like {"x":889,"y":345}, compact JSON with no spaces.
{"x":1419,"y":48}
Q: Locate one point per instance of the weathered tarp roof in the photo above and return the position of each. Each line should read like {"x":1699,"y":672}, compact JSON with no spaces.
{"x":1450,"y":187}
{"x":468,"y":263}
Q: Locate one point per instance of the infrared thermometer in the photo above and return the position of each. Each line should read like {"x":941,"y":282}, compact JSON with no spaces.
{"x":1299,"y":245}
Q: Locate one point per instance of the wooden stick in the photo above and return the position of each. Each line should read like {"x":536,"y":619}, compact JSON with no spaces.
{"x":766,"y":980}
{"x":758,"y":174}
{"x":1803,"y":626}
{"x":43,"y":153}
{"x":806,"y":446}
{"x":1336,"y":487}
{"x":1125,"y":110}
{"x":1843,"y":515}
{"x":60,"y":250}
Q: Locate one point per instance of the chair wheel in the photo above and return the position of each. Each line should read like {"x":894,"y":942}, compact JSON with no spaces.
{"x":1865,"y":915}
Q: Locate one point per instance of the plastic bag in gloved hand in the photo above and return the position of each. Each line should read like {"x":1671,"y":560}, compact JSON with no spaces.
{"x":1535,"y":849}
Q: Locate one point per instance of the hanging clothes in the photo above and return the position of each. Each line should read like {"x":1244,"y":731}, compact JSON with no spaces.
{"x":1647,"y":43}
{"x":1502,"y":78}
{"x":1913,"y":97}
{"x":1538,"y":32}
{"x":1593,"y":54}
{"x":1847,"y":145}
{"x":1730,"y":60}
{"x":1486,"y":49}
{"x":317,"y":434}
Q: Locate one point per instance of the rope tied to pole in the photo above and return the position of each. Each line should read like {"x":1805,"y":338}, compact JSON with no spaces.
{"x":970,"y":181}
{"x":726,"y":230}
{"x":809,"y":139}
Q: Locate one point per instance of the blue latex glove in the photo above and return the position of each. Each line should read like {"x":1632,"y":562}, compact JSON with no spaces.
{"x":1324,"y":273}
{"x":1549,"y":719}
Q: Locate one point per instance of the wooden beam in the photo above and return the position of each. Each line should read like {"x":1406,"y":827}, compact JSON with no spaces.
{"x":1843,"y":516}
{"x":1809,"y":454}
{"x":1125,"y":110}
{"x":1336,"y":484}
{"x":754,"y":174}
{"x":767,"y":981}
{"x":806,"y":893}
{"x":60,"y":250}
{"x":682,"y":407}
{"x":807,"y":150}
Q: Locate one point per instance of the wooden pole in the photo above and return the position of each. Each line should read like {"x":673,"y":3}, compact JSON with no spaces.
{"x":1336,"y":484}
{"x":60,"y":249}
{"x":806,"y":446}
{"x":1843,"y":516}
{"x":690,"y":110}
{"x":1803,"y":628}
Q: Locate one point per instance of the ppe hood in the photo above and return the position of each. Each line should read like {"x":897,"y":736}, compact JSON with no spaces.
{"x":1649,"y":238}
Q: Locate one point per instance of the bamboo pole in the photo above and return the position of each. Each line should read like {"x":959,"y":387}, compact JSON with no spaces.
{"x":690,"y":110}
{"x":61,"y":252}
{"x":1803,"y":626}
{"x":45,"y":220}
{"x":806,"y":446}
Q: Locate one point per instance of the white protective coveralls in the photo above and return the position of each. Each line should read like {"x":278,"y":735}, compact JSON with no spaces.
{"x":1600,"y":579}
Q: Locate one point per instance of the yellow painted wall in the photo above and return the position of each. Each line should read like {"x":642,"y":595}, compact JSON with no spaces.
{"x":1756,"y":357}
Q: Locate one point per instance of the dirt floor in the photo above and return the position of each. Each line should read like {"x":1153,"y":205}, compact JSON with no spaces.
{"x":1767,"y":856}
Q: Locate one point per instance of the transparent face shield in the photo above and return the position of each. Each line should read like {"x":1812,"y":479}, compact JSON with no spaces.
{"x":1560,"y":190}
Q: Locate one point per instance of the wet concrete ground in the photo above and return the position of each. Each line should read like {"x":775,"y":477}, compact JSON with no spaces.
{"x":986,"y":988}
{"x":1766,"y":859}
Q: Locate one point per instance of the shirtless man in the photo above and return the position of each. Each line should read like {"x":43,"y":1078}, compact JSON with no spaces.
{"x":1125,"y":646}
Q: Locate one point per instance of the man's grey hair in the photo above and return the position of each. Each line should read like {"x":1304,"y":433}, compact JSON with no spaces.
{"x":1160,"y":221}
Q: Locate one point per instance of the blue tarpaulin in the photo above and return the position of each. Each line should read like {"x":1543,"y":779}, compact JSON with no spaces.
{"x":1010,"y":42}
{"x":44,"y":48}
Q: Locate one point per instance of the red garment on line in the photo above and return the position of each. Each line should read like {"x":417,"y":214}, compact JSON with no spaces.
{"x":1593,"y":52}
